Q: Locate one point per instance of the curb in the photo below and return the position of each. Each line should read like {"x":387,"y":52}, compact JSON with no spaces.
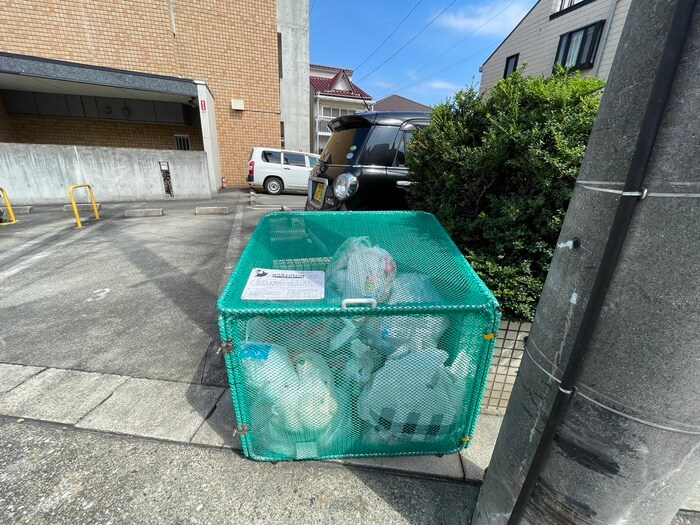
{"x":149,"y":212}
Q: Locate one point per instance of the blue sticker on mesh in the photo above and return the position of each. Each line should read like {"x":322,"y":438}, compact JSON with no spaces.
{"x":255,"y":351}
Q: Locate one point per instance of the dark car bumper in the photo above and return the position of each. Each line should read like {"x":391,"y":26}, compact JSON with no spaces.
{"x":372,"y":196}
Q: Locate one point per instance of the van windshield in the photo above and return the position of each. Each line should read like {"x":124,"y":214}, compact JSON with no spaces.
{"x":344,"y":146}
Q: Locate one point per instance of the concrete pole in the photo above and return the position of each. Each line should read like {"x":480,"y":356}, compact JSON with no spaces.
{"x":627,"y":450}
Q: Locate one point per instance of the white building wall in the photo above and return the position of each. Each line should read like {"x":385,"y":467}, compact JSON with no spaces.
{"x":619,"y":11}
{"x":292,"y":23}
{"x":210,"y":136}
{"x":536,"y":38}
{"x":319,"y":130}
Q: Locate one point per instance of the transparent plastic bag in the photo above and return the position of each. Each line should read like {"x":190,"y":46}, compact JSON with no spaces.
{"x":360,"y":270}
{"x":412,"y":397}
{"x":289,"y":400}
{"x":295,"y":335}
{"x":418,"y":331}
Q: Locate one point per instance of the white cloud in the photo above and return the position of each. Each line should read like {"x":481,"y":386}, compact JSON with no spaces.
{"x":383,"y":84}
{"x":442,"y":85}
{"x":494,"y":18}
{"x":434,"y":90}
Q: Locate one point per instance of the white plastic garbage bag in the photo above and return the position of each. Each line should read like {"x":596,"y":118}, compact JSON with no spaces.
{"x":288,"y":399}
{"x":298,"y":335}
{"x":360,"y":270}
{"x":270,"y":373}
{"x":413,"y":397}
{"x":359,"y":366}
{"x":339,"y":436}
{"x":418,"y":331}
{"x":317,"y":404}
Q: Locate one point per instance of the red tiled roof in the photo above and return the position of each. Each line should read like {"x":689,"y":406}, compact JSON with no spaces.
{"x":330,"y":68}
{"x":324,"y":86}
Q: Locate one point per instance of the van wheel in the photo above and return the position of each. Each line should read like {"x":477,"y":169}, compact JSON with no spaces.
{"x":273,"y":186}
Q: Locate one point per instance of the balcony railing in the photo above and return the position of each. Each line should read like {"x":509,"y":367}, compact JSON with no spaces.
{"x":322,"y":124}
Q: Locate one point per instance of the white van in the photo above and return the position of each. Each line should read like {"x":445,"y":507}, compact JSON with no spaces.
{"x":278,"y":170}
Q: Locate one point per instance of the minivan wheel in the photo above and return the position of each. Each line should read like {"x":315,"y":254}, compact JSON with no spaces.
{"x":273,"y":186}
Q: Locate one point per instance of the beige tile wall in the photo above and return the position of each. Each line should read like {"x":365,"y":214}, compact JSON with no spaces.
{"x":231,"y":45}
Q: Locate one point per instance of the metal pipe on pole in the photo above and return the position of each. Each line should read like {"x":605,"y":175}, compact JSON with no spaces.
{"x":604,"y":421}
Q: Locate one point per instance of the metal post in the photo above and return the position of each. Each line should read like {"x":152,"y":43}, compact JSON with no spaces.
{"x":626,"y":448}
{"x":8,"y":205}
{"x":71,"y":192}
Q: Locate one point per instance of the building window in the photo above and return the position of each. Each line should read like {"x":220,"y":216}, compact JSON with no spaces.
{"x":577,"y":49}
{"x":511,"y":65}
{"x":182,"y":142}
{"x":282,"y":133}
{"x":331,"y":112}
{"x":565,"y":4}
{"x":336,"y":112}
{"x":279,"y":52}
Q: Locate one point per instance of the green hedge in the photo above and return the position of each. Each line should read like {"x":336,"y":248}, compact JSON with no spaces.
{"x":498,"y":171}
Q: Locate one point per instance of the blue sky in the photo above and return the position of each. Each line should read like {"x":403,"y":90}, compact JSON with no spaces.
{"x":440,"y":59}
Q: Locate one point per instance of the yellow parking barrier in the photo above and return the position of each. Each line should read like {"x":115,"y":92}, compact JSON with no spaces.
{"x":9,"y":209}
{"x":75,"y":206}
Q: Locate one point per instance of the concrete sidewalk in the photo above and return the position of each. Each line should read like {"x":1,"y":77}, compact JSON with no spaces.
{"x":185,"y":413}
{"x":112,"y":329}
{"x":51,"y":474}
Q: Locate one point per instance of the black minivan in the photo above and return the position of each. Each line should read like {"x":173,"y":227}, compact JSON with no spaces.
{"x":363,"y":165}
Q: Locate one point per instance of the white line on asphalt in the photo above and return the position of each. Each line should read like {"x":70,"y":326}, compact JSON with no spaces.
{"x":31,"y":261}
{"x":10,"y":254}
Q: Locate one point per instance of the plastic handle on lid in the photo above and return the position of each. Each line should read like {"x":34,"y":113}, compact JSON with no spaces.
{"x":358,"y":302}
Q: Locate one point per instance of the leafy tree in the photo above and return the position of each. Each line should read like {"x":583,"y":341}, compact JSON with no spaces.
{"x":498,"y":171}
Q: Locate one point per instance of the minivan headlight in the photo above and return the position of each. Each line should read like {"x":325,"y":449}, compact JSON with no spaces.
{"x":345,"y":186}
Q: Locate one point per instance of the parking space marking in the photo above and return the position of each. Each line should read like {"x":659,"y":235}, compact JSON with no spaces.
{"x":31,"y":261}
{"x":99,"y":294}
{"x":8,"y":254}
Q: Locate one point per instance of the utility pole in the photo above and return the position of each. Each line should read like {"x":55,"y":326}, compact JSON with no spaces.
{"x":604,"y":422}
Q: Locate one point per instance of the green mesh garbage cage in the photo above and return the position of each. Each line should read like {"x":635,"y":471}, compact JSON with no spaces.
{"x":355,"y":334}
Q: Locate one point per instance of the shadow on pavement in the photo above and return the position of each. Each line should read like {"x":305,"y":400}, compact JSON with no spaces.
{"x":424,"y":501}
{"x":196,"y":302}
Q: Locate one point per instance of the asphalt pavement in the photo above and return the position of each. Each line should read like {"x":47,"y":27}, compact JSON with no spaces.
{"x":114,"y":403}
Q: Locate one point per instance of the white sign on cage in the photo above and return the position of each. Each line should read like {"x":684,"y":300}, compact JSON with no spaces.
{"x":265,"y":284}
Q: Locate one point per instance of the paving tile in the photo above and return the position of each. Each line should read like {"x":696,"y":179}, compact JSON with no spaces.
{"x":443,"y":467}
{"x":156,"y":409}
{"x":477,"y":457}
{"x":61,"y":396}
{"x":218,"y":429}
{"x":13,"y":375}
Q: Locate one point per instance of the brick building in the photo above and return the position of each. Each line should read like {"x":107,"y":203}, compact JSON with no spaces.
{"x":197,"y":75}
